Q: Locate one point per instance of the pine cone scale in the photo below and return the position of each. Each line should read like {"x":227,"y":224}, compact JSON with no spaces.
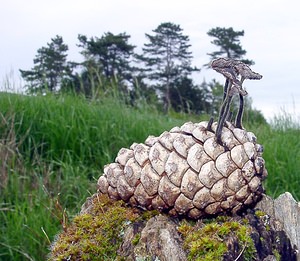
{"x":187,"y":172}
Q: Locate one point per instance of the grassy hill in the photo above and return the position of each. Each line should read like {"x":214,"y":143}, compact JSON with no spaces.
{"x":53,"y":149}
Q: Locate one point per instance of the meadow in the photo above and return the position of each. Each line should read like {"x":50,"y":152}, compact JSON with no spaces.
{"x":53,"y":149}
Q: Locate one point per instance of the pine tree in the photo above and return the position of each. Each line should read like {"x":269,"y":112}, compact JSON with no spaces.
{"x":50,"y":67}
{"x":229,"y":43}
{"x":111,"y":53}
{"x":188,"y":97}
{"x":167,"y":59}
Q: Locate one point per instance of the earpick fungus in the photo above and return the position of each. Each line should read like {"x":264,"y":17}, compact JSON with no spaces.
{"x":198,"y":169}
{"x":231,"y":69}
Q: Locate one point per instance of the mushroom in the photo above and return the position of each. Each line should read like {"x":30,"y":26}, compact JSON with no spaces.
{"x":246,"y":73}
{"x":231,"y":69}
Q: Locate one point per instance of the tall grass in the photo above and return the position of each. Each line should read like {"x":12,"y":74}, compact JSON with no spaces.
{"x":57,"y":148}
{"x":53,"y":148}
{"x":281,"y":142}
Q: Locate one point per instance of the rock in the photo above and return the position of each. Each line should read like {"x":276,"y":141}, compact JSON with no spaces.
{"x":284,"y":213}
{"x":159,"y":238}
{"x":114,"y":230}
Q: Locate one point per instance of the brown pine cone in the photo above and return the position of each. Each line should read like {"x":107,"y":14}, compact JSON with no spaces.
{"x":186,"y":172}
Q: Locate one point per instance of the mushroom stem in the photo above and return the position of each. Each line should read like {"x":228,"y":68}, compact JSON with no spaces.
{"x":231,"y":69}
{"x":239,"y":116}
{"x":225,"y":89}
{"x":209,"y":124}
{"x":227,"y":108}
{"x":224,"y":111}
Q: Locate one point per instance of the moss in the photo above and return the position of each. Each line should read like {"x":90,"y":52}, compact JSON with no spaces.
{"x":136,"y":239}
{"x":96,"y":234}
{"x":277,"y":254}
{"x":99,"y":232}
{"x":259,"y":213}
{"x":264,"y":217}
{"x":146,"y":215}
{"x":207,"y":240}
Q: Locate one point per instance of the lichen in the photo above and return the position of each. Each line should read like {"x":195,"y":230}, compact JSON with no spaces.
{"x":208,"y":240}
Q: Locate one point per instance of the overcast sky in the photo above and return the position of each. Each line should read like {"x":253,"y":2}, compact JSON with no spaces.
{"x":272,"y":36}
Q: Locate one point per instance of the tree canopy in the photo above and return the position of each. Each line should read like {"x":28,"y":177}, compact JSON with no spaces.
{"x":111,"y":53}
{"x":50,"y":67}
{"x":228,"y":42}
{"x":160,"y":74}
{"x":167,"y":58}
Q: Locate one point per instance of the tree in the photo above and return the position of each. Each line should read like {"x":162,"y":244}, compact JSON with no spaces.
{"x":188,"y":97}
{"x":167,"y":58}
{"x":229,"y":43}
{"x":214,"y":96}
{"x":50,"y":67}
{"x":111,"y":53}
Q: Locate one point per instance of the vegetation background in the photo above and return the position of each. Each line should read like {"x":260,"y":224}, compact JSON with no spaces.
{"x":55,"y":140}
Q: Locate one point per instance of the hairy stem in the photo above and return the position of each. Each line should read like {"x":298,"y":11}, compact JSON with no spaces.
{"x":225,"y":89}
{"x":224,"y":111}
{"x":239,"y":116}
{"x":209,"y":124}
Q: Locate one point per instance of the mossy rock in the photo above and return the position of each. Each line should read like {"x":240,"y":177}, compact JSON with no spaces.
{"x":97,"y":231}
{"x":215,"y":239}
{"x":111,"y":230}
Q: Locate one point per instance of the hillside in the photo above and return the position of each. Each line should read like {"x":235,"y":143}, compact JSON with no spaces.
{"x":53,"y":149}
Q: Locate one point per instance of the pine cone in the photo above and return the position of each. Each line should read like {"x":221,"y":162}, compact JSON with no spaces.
{"x":186,"y":172}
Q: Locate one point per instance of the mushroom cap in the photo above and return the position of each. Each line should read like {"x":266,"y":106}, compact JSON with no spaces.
{"x":231,"y":68}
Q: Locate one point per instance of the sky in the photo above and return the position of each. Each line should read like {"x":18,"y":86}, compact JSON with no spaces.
{"x":272,"y":37}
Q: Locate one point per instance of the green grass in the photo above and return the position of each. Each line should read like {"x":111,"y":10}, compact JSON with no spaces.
{"x":282,"y":155}
{"x":52,"y":151}
{"x":53,"y":148}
